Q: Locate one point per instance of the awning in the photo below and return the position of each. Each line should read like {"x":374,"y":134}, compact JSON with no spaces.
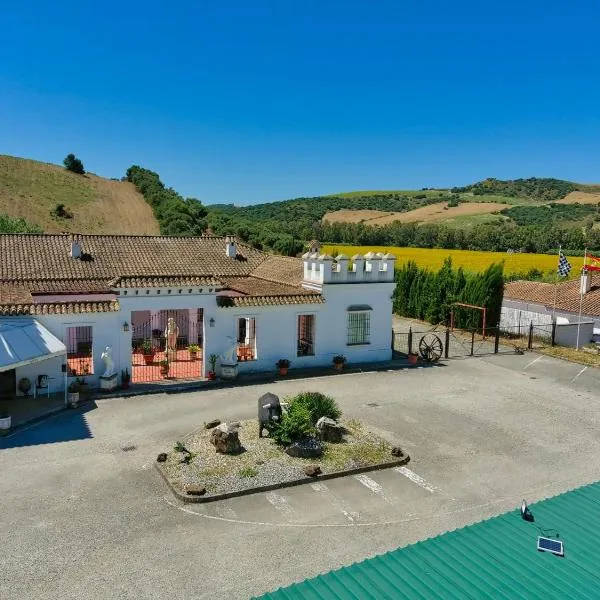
{"x":23,"y":341}
{"x":358,"y":308}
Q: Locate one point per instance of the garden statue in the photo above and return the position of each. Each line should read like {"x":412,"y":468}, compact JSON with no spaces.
{"x":109,"y":364}
{"x":229,"y":357}
{"x":171,"y":335}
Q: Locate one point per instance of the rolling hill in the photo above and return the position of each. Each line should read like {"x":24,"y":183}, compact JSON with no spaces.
{"x":31,"y":190}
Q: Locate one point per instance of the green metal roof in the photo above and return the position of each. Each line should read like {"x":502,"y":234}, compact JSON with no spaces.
{"x":497,"y":558}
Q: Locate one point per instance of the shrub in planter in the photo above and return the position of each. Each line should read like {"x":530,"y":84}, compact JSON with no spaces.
{"x":212,"y":361}
{"x":339,"y":361}
{"x":294,"y":425}
{"x":318,"y":405}
{"x":193,"y":349}
{"x":148,"y":352}
{"x":164,"y":367}
{"x":73,"y":393}
{"x":283,"y":364}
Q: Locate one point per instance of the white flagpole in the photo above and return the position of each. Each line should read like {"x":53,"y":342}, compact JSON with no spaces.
{"x":581,"y":297}
{"x":556,"y":284}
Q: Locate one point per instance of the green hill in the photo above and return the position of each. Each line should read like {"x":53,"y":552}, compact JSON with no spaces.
{"x":31,"y":191}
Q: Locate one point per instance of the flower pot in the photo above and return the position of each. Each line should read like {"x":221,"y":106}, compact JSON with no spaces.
{"x":338,"y":366}
{"x":164,"y":371}
{"x":5,"y":423}
{"x":412,"y":359}
{"x":73,"y":398}
{"x":193,"y":355}
{"x":211,"y":375}
{"x":148,"y":359}
{"x":283,"y":370}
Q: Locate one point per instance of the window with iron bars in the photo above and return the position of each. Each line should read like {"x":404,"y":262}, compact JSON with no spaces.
{"x":306,"y":335}
{"x":359,"y":328}
{"x":79,"y":344}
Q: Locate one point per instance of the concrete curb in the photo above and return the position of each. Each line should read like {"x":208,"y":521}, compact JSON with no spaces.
{"x":402,"y":460}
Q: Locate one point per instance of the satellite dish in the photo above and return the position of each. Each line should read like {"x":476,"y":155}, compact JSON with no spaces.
{"x":526,"y":514}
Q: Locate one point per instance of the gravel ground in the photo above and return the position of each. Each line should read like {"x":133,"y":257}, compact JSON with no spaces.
{"x":265,"y":463}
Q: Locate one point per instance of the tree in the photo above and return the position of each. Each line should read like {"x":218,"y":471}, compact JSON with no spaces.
{"x":72,"y":163}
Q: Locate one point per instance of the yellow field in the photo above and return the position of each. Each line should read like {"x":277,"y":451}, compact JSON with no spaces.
{"x":471,"y":260}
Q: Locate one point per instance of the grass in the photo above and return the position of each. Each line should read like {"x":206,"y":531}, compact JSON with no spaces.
{"x":571,"y":354}
{"x":471,"y":260}
{"x":361,"y":453}
{"x":31,"y":190}
{"x":248,"y":472}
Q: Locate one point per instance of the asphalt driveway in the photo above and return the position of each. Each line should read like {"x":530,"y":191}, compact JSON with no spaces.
{"x":84,"y":515}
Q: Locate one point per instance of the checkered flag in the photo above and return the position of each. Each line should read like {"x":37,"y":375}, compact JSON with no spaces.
{"x":564,"y":266}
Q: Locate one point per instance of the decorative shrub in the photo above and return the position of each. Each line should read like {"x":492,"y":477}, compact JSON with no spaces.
{"x":295,"y":424}
{"x":318,"y":405}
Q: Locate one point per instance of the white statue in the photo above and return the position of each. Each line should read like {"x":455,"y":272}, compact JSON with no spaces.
{"x":109,"y":363}
{"x":229,"y":357}
{"x":171,"y":335}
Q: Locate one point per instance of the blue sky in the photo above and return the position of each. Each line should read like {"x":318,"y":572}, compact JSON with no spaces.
{"x":255,"y":101}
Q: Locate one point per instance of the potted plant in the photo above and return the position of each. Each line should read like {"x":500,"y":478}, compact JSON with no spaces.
{"x":125,"y":379}
{"x":73,"y":393}
{"x":283,"y":364}
{"x":339,"y":361}
{"x":148,"y":352}
{"x":413,"y":358}
{"x":5,"y":421}
{"x":164,"y":367}
{"x":212,"y":361}
{"x":82,"y":387}
{"x":193,"y":349}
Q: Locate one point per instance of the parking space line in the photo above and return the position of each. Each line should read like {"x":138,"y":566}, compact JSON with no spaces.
{"x":532,"y":362}
{"x":279,"y":502}
{"x":372,"y":485}
{"x":417,"y":479}
{"x":335,"y":502}
{"x":578,"y":374}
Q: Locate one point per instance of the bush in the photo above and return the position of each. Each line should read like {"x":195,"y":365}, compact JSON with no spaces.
{"x":61,"y":212}
{"x":73,"y":164}
{"x":295,"y":424}
{"x":318,"y":405}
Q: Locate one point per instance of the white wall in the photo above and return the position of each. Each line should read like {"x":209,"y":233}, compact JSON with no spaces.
{"x":566,"y":335}
{"x":276,"y":328}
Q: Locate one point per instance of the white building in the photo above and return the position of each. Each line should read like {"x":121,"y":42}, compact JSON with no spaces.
{"x":70,"y":297}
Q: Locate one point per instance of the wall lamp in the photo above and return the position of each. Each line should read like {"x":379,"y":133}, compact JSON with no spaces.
{"x":126,"y":326}
{"x":211,"y":322}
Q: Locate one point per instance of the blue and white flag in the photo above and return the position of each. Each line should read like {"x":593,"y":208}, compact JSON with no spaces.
{"x":564,"y":266}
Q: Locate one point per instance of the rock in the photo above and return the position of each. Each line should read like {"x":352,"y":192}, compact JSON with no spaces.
{"x":305,"y":448}
{"x":397,"y":451}
{"x":195,"y":490}
{"x":225,"y":438}
{"x":312,"y":470}
{"x":162,"y":457}
{"x":235,"y":424}
{"x":212,"y":424}
{"x":329,"y":431}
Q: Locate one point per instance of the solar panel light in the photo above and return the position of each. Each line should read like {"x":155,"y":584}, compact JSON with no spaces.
{"x":526,"y":514}
{"x":545,"y":544}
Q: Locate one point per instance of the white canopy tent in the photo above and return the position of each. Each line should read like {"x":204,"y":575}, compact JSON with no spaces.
{"x":24,"y":341}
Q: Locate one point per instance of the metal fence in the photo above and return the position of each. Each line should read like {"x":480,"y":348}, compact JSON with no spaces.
{"x":441,"y":342}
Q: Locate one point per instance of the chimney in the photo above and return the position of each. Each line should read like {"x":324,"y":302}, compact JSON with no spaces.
{"x":586,"y":282}
{"x":75,"y":247}
{"x":230,"y":249}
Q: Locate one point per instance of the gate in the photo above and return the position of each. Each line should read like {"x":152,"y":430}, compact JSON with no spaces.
{"x":440,"y":342}
{"x":167,"y":345}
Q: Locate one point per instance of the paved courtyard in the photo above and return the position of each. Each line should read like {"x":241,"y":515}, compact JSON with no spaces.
{"x":82,"y":518}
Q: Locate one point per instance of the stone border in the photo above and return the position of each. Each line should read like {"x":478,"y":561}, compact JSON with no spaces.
{"x":190,"y":499}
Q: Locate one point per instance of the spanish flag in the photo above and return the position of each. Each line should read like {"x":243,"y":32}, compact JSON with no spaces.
{"x":592,"y":263}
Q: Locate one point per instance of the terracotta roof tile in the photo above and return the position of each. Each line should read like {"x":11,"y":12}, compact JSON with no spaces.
{"x":58,"y":308}
{"x":159,"y":281}
{"x":567,"y":295}
{"x":274,"y":300}
{"x":281,"y":269}
{"x":254,"y":286}
{"x":39,"y":256}
{"x":14,"y":294}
